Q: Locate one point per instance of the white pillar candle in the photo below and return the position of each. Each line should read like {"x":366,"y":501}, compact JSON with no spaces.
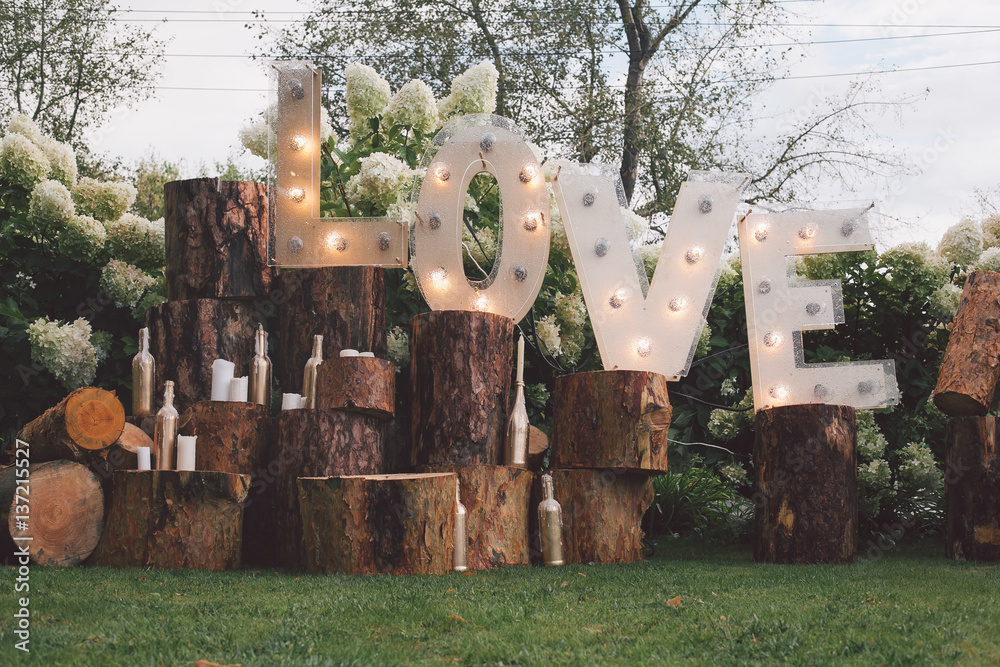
{"x":222,"y":375}
{"x":291,"y":401}
{"x":349,"y":353}
{"x":239,"y":389}
{"x":370,"y":355}
{"x":143,"y":453}
{"x":186,"y":445}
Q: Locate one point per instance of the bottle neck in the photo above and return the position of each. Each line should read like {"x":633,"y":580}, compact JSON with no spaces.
{"x":547,"y":491}
{"x":168,"y":395}
{"x":261,"y":345}
{"x":318,"y":348}
{"x":144,"y":341}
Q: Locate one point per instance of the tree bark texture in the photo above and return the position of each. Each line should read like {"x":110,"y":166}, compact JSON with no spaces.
{"x":497,"y":502}
{"x":80,"y":427}
{"x":360,"y":384}
{"x":167,"y":519}
{"x":216,"y":239}
{"x":231,"y":436}
{"x":147,"y":423}
{"x":972,"y":489}
{"x":971,"y":366}
{"x":611,"y":419}
{"x":460,"y":374}
{"x":383,"y":524}
{"x":806,"y":485}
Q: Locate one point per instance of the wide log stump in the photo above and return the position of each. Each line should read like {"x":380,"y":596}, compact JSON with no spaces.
{"x":497,"y":501}
{"x":58,"y":514}
{"x":971,"y":366}
{"x":602,"y":514}
{"x":80,"y":427}
{"x":167,"y":519}
{"x":379,"y":524}
{"x":807,"y":485}
{"x":460,"y":373}
{"x":318,"y":443}
{"x":231,"y":436}
{"x":187,"y":336}
{"x":216,"y":239}
{"x":611,"y":419}
{"x":361,"y":384}
{"x":972,"y":489}
{"x":344,"y":304}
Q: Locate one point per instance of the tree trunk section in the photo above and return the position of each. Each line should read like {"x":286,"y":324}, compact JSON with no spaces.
{"x":971,"y":366}
{"x":79,"y":428}
{"x":318,"y":443}
{"x":538,"y":444}
{"x":497,"y":501}
{"x":216,"y":239}
{"x":807,"y":485}
{"x":231,"y":436}
{"x":167,"y":519}
{"x":123,"y":455}
{"x":972,"y":489}
{"x":147,"y":423}
{"x":461,"y":364}
{"x":187,"y":336}
{"x":359,"y":384}
{"x":602,"y":514}
{"x":344,"y":304}
{"x":611,"y":419}
{"x":61,"y":510}
{"x":380,"y":524}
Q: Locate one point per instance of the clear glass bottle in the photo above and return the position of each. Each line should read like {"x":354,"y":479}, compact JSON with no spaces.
{"x":309,"y":377}
{"x":260,"y":371}
{"x":165,"y":433}
{"x":461,"y":532}
{"x":550,"y":524}
{"x":143,"y":376}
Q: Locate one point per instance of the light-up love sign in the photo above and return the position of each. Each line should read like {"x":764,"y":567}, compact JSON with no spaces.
{"x":780,"y":307}
{"x":298,"y":235}
{"x":464,"y":148}
{"x":640,"y":326}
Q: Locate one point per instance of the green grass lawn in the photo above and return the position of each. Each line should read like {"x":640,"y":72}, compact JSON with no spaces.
{"x":910,"y":606}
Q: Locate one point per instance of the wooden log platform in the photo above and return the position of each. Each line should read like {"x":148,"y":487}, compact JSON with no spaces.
{"x":361,"y":384}
{"x":379,"y":524}
{"x":971,"y":366}
{"x":806,"y":485}
{"x":216,"y":239}
{"x":79,"y":428}
{"x":344,"y":304}
{"x":187,"y":336}
{"x":123,"y":455}
{"x":497,"y":500}
{"x":461,"y":364}
{"x":167,"y":519}
{"x":611,"y":419}
{"x":972,"y":489}
{"x":231,"y":436}
{"x":602,"y":514}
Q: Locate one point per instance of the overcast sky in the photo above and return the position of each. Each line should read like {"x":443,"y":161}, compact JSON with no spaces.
{"x":952,"y":137}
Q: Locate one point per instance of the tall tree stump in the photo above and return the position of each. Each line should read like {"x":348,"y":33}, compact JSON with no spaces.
{"x":807,"y":485}
{"x":611,"y":419}
{"x":260,"y":514}
{"x":971,"y":366}
{"x":497,"y":500}
{"x":361,"y":384}
{"x":231,"y":436}
{"x":216,"y":239}
{"x":379,"y":524}
{"x":187,"y":336}
{"x":972,"y":489}
{"x":79,"y":428}
{"x":167,"y":519}
{"x":461,"y":364}
{"x":344,"y":304}
{"x":602,"y":514}
{"x":318,"y":443}
{"x":59,"y":514}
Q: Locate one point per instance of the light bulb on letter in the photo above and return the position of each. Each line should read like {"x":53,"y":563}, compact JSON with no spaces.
{"x":618,"y":298}
{"x":441,"y":173}
{"x":528,"y":173}
{"x":482,"y":303}
{"x":678,"y":303}
{"x":298,"y":142}
{"x":772,"y":339}
{"x":760,"y":232}
{"x":439,"y":277}
{"x":336,"y":241}
{"x":694,"y":255}
{"x":643,"y":347}
{"x":297,"y":195}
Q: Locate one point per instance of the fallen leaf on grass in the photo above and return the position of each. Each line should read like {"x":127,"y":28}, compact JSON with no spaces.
{"x":722,"y":618}
{"x":564,"y":584}
{"x":674,"y":602}
{"x":581,"y":574}
{"x":470,"y":574}
{"x":450,"y":590}
{"x":457,"y":618}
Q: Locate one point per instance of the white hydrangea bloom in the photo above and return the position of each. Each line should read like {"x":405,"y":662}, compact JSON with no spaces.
{"x":82,"y":237}
{"x":23,"y":124}
{"x":726,"y":425}
{"x":570,"y":309}
{"x":704,"y":341}
{"x":472,"y":91}
{"x":398,"y":342}
{"x":558,"y":241}
{"x":962,"y":243}
{"x":413,"y":105}
{"x":138,"y":241}
{"x":410,"y":282}
{"x":50,"y":204}
{"x":871,"y":442}
{"x":471,"y":204}
{"x":124,"y":283}
{"x":254,"y":138}
{"x":874,"y":474}
{"x":488,"y":241}
{"x":105,"y":201}
{"x":548,"y":333}
{"x":988,"y":261}
{"x":22,"y":162}
{"x":65,"y":350}
{"x":991,"y":231}
{"x":919,"y":469}
{"x":380,"y":180}
{"x":62,"y":160}
{"x":943,"y":302}
{"x":366,"y":94}
{"x":637,"y":225}
{"x":734,"y":472}
{"x":650,"y":254}
{"x":570,"y":346}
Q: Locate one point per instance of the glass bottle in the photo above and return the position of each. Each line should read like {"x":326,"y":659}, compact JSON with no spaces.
{"x":461,"y":532}
{"x":516,"y":440}
{"x":143,"y":374}
{"x":260,"y":371}
{"x":165,"y":433}
{"x":550,"y":524}
{"x":309,"y":377}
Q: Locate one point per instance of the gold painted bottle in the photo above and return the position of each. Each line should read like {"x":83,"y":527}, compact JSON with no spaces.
{"x":516,"y":440}
{"x":309,"y":377}
{"x":165,"y":432}
{"x":461,"y":532}
{"x":143,"y":375}
{"x":260,"y":371}
{"x":550,"y":524}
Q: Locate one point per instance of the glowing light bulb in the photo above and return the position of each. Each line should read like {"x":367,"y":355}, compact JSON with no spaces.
{"x":643,"y":347}
{"x":778,"y":392}
{"x":297,"y":195}
{"x":482,"y":303}
{"x":694,"y":255}
{"x":772,"y":339}
{"x":618,"y":298}
{"x":533,"y":221}
{"x":528,"y":173}
{"x":441,"y":173}
{"x":298,"y":142}
{"x":335,"y":241}
{"x":439,"y":277}
{"x":678,"y":303}
{"x":807,"y":232}
{"x":760,"y":231}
